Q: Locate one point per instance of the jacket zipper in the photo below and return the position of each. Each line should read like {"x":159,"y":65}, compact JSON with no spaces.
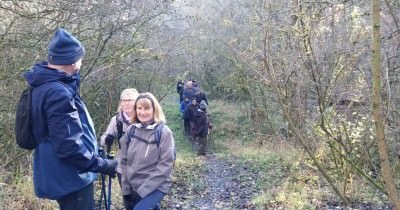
{"x":147,"y":150}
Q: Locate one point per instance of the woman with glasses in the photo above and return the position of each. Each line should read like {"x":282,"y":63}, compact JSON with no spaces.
{"x":119,"y":123}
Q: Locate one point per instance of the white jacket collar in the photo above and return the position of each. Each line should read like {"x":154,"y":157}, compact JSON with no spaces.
{"x":150,"y":127}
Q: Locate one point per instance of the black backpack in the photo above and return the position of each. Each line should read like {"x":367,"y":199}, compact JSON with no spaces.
{"x":23,"y":121}
{"x":120,"y":129}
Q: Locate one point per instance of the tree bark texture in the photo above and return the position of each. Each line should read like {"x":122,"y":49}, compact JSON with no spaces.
{"x":376,"y":106}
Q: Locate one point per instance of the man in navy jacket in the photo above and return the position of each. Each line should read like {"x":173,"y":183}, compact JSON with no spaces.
{"x":66,"y":162}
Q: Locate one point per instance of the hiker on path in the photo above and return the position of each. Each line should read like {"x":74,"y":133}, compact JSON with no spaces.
{"x":146,"y":165}
{"x":196,"y":86}
{"x":200,"y":96}
{"x":189,"y":90}
{"x":66,"y":160}
{"x":119,"y":123}
{"x":200,"y":128}
{"x":186,"y":120}
{"x":188,"y":115}
{"x":179,"y":89}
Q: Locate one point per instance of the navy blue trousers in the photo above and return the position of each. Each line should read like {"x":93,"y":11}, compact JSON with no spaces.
{"x":82,"y":199}
{"x":151,"y":201}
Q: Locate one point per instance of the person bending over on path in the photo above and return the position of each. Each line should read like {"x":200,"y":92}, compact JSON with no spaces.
{"x":146,"y":165}
{"x":66,"y":160}
{"x":119,"y":123}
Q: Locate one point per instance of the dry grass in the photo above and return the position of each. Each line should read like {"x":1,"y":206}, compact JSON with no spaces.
{"x":288,"y":178}
{"x":21,"y":196}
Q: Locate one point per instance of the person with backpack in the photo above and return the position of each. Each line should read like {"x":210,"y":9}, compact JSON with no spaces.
{"x":65,"y":160}
{"x":184,"y":104}
{"x":186,"y":121}
{"x":204,"y":104}
{"x":196,"y":86}
{"x":200,"y":96}
{"x":200,"y":131}
{"x":119,"y":123}
{"x":193,"y":107}
{"x":188,"y":115}
{"x":189,"y":91}
{"x":147,"y":156}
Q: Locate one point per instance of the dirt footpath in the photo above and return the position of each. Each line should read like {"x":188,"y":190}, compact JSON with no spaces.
{"x":223,"y":184}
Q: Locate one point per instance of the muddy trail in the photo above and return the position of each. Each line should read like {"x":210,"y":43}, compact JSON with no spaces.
{"x":226,"y":184}
{"x":223,"y":184}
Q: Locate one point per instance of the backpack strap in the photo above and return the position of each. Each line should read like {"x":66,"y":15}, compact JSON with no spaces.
{"x":120,"y":127}
{"x":131,"y":133}
{"x":157,"y":135}
{"x":119,"y":124}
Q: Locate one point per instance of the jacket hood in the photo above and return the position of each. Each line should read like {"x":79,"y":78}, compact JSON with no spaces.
{"x":199,"y":112}
{"x":40,"y":73}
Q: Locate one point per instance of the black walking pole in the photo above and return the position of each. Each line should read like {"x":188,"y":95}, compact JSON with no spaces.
{"x":103,"y":187}
{"x":109,"y":156}
{"x":109,"y":193}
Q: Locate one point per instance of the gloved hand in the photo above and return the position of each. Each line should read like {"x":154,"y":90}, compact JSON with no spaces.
{"x":109,"y":167}
{"x":109,"y":140}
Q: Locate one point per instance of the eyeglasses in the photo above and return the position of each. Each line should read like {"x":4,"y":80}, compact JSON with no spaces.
{"x":127,"y":100}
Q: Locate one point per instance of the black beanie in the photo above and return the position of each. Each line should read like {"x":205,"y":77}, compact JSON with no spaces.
{"x":64,"y":49}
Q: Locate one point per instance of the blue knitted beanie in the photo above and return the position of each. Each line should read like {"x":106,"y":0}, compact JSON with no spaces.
{"x":64,"y":49}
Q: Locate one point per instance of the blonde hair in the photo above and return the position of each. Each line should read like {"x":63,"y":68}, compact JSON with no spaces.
{"x":151,"y":101}
{"x":129,"y":91}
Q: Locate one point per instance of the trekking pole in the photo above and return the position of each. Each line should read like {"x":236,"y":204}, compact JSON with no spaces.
{"x":109,"y":193}
{"x":103,"y":191}
{"x":103,"y":187}
{"x":109,"y":156}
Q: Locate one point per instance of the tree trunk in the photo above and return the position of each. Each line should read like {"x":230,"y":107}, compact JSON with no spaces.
{"x":376,"y":106}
